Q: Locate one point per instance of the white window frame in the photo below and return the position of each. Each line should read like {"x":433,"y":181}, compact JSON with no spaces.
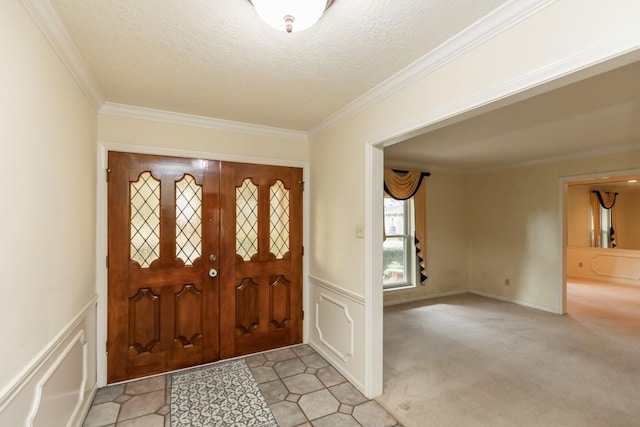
{"x":410,"y":249}
{"x":601,"y":235}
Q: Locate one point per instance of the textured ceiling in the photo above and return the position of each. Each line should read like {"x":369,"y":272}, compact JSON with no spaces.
{"x":596,"y":115}
{"x":215,"y":58}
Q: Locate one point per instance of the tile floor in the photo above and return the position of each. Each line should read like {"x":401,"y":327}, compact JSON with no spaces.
{"x":301,"y":388}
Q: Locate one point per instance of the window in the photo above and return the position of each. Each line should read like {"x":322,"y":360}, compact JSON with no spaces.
{"x":603,"y":237}
{"x":398,"y":248}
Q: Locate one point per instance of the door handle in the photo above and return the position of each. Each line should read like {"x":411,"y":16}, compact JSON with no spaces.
{"x":213,"y":273}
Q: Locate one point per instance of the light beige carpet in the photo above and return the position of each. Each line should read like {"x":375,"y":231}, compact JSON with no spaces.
{"x":471,"y":361}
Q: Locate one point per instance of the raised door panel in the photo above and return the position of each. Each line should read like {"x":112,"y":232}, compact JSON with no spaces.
{"x":261,"y":269}
{"x":163,"y":224}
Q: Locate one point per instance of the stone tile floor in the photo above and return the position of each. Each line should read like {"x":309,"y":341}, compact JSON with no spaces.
{"x":300,"y":387}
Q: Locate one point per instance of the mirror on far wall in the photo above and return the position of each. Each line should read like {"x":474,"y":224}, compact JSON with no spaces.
{"x":580,"y":224}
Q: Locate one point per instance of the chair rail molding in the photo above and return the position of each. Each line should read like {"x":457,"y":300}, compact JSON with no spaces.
{"x":338,"y":328}
{"x":56,"y":388}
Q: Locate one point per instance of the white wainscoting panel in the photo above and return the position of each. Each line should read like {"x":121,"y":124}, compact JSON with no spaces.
{"x":337,"y":332}
{"x":334,"y":326}
{"x":57,"y":387}
{"x":611,"y":265}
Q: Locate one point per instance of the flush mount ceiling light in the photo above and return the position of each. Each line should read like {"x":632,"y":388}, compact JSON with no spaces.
{"x":291,"y":15}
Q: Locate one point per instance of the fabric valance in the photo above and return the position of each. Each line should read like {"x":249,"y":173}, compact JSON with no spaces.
{"x":403,"y":185}
{"x":607,"y":199}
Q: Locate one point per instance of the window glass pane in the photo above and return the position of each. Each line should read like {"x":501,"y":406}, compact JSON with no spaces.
{"x":247,"y":219}
{"x":145,"y":219}
{"x":279,"y":233}
{"x":394,"y":259}
{"x":605,"y":224}
{"x":188,"y":219}
{"x":394,"y":222}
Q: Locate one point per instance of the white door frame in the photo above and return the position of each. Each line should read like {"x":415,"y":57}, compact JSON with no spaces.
{"x":101,"y":228}
{"x":609,"y":55}
{"x":564,"y":182}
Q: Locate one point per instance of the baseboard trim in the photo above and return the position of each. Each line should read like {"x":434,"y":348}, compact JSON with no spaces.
{"x":84,"y":408}
{"x":603,"y":280}
{"x":424,"y":297}
{"x":337,"y":364}
{"x":517,"y":302}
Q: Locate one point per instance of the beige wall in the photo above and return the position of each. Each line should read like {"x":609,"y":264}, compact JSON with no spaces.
{"x":515,"y":229}
{"x":523,"y":245}
{"x":337,"y":153}
{"x":447,"y":241}
{"x":115,"y":129}
{"x":628,"y":218}
{"x":48,"y":174}
{"x":578,"y":215}
{"x":627,"y":214}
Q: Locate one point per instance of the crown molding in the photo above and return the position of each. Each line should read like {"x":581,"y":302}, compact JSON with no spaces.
{"x":619,"y":51}
{"x":574,"y":156}
{"x":45,"y":16}
{"x":130,"y":111}
{"x":509,"y":14}
{"x":514,"y":165}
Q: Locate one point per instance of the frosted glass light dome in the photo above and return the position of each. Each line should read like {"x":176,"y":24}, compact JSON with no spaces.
{"x":290,"y":15}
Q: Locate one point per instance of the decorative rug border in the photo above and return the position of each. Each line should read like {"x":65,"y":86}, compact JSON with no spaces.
{"x":220,"y":394}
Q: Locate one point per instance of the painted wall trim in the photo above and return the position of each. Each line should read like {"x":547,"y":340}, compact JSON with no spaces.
{"x":425,"y":297}
{"x":572,"y":156}
{"x":144,"y":113}
{"x":340,"y":368}
{"x":550,"y":160}
{"x":45,"y":16}
{"x":517,"y":302}
{"x":340,"y":333}
{"x":616,"y":48}
{"x":502,"y":18}
{"x":101,"y":227}
{"x":374,"y":300}
{"x":337,"y":289}
{"x":563,"y":183}
{"x":621,"y":49}
{"x":82,"y":340}
{"x":342,"y":355}
{"x":13,"y":388}
{"x":603,"y":265}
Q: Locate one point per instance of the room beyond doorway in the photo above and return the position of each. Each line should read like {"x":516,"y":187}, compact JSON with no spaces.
{"x":471,"y":360}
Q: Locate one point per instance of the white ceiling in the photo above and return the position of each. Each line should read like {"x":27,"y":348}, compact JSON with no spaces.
{"x":215,"y":58}
{"x":597,"y":115}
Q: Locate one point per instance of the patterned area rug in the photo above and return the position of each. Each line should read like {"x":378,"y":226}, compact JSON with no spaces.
{"x":224,"y":394}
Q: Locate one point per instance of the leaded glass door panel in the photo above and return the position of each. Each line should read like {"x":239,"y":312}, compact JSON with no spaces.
{"x":261,"y":267}
{"x":205,"y":261}
{"x":163,"y":224}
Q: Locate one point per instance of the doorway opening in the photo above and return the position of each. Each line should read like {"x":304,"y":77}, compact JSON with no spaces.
{"x":204,"y":261}
{"x":602,"y":252}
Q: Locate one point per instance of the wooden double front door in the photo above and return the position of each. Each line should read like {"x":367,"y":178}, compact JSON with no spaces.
{"x":204,"y":261}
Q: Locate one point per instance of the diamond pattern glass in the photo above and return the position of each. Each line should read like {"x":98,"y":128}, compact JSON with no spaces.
{"x":247,"y":219}
{"x":279,"y":219}
{"x":188,"y":219}
{"x":145,"y":219}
